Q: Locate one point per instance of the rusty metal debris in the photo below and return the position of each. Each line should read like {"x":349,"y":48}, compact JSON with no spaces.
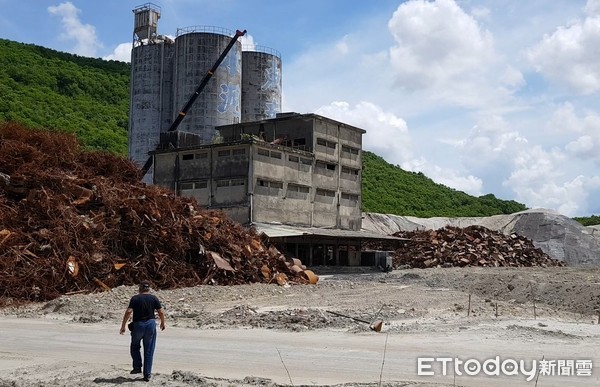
{"x":470,"y":246}
{"x":74,"y":221}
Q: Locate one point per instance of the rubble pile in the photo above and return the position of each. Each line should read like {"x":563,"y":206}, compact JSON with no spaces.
{"x":73,"y":221}
{"x":470,"y":246}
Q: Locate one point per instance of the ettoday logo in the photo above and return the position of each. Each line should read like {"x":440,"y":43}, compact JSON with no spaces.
{"x":430,"y":366}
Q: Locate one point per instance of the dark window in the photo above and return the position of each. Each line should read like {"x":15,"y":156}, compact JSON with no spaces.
{"x":325,"y":192}
{"x":188,"y":156}
{"x":328,"y":144}
{"x":349,"y":149}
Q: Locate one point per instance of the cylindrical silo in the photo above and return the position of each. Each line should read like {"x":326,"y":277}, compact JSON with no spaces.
{"x":151,"y":84}
{"x":196,"y":51}
{"x":261,"y":83}
{"x":150,"y":110}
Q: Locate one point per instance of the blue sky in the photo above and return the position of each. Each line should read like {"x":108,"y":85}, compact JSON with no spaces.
{"x":484,"y":96}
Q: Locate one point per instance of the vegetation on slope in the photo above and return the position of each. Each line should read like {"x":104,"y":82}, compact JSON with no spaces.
{"x":589,"y":220}
{"x":391,"y":190}
{"x":47,"y":89}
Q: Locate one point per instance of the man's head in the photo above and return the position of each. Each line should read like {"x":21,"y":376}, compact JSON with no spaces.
{"x":144,"y":287}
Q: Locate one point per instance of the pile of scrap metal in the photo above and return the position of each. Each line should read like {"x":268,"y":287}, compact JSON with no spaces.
{"x":76,"y":221}
{"x":470,"y":246}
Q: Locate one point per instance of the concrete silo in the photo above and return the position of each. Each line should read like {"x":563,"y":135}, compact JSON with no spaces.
{"x":151,"y":85}
{"x":261,"y":83}
{"x":219,"y":103}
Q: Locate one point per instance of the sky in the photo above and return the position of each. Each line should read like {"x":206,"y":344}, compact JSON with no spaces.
{"x":483,"y":96}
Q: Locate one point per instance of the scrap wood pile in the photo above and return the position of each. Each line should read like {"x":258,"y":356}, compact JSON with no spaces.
{"x":470,"y":246}
{"x":76,"y":221}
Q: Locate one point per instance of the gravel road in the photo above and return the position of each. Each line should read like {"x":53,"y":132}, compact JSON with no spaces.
{"x":272,"y":335}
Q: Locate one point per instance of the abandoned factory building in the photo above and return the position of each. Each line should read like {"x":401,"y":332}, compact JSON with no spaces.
{"x":295,"y":177}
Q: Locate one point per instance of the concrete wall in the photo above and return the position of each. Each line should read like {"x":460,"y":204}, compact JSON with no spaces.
{"x":253,"y":179}
{"x":282,"y":188}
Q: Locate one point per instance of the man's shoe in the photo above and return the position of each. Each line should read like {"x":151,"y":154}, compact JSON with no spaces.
{"x":146,"y":378}
{"x":135,"y":371}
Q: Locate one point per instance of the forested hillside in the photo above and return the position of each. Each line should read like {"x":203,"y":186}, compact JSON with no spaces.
{"x":46,"y":89}
{"x":391,"y":190}
{"x":43,"y":88}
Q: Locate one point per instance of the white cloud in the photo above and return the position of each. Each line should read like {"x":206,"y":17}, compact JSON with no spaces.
{"x":84,"y":35}
{"x":342,"y":46}
{"x":447,"y":176}
{"x":481,"y":13}
{"x":491,"y":141}
{"x":387,"y":135}
{"x":248,"y":42}
{"x":570,"y":55}
{"x":564,"y":119}
{"x":121,"y":53}
{"x":592,"y":7}
{"x":542,"y":179}
{"x":586,"y":146}
{"x":439,"y":47}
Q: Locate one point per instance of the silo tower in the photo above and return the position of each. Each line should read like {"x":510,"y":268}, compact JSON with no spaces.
{"x":151,"y":83}
{"x":145,"y":22}
{"x":196,"y":50}
{"x":261,"y":83}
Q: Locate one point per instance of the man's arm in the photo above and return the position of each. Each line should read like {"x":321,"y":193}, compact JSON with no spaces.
{"x":161,"y":315}
{"x":126,"y":316}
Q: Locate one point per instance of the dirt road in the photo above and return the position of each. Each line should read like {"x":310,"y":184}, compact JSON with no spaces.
{"x":256,"y":334}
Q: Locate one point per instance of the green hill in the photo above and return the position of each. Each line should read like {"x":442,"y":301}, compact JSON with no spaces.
{"x":391,"y":190}
{"x":46,"y":89}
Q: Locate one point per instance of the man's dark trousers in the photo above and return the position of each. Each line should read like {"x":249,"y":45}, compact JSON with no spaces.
{"x":143,"y":331}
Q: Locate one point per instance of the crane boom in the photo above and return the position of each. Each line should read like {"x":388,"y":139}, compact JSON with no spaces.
{"x":181,"y":115}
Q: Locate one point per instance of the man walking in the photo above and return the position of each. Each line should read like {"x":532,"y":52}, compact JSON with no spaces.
{"x":143,"y":328}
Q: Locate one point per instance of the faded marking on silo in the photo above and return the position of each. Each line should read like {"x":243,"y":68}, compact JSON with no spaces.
{"x":272,"y":77}
{"x":272,"y":108}
{"x":261,"y":84}
{"x":232,"y":63}
{"x":229,"y":95}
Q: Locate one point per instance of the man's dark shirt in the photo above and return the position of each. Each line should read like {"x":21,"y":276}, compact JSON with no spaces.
{"x":143,"y":306}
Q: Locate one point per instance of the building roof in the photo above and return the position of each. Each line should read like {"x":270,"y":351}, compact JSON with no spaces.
{"x":276,"y":230}
{"x":295,"y":116}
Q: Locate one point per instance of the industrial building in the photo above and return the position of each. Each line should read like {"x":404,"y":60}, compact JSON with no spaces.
{"x":295,"y":177}
{"x":165,"y":72}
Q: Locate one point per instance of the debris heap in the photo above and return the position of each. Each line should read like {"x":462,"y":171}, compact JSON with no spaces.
{"x":76,"y":221}
{"x":470,"y":246}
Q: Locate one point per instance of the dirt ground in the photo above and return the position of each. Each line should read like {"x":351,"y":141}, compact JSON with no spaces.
{"x":414,"y":304}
